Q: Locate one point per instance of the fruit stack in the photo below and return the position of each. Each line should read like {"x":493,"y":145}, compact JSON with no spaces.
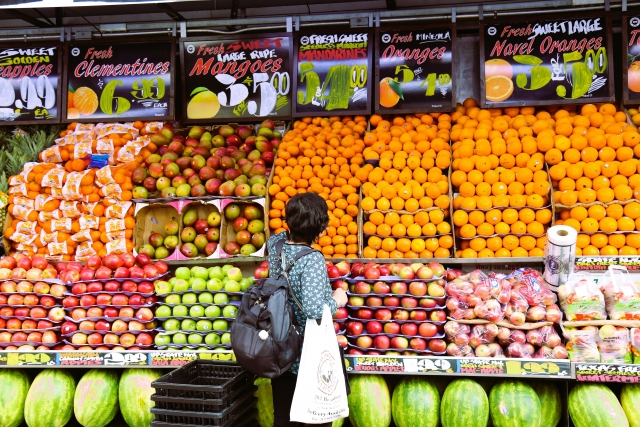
{"x":110,"y":302}
{"x":69,"y":207}
{"x":231,"y":163}
{"x":30,"y":311}
{"x":200,"y":232}
{"x":324,"y":156}
{"x":502,"y":205}
{"x":199,"y":306}
{"x":394,"y":308}
{"x":243,"y":229}
{"x":596,"y":177}
{"x":607,"y":344}
{"x":406,"y":197}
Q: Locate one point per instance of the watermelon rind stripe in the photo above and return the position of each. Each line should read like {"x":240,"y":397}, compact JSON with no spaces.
{"x":14,"y":386}
{"x":369,"y":401}
{"x":595,"y":405}
{"x":514,"y":404}
{"x":550,"y":402}
{"x":49,"y":402}
{"x":464,"y":404}
{"x":415,"y":402}
{"x":95,"y":403}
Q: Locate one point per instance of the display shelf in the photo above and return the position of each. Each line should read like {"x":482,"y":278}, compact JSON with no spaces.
{"x":207,"y":262}
{"x":108,"y":359}
{"x":605,"y":372}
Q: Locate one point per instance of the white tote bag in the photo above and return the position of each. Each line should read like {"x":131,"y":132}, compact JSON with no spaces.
{"x":320,"y":395}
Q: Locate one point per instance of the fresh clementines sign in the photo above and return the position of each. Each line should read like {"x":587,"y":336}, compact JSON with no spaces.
{"x":546,"y":62}
{"x":332,"y":72}
{"x":631,"y":59}
{"x":120,"y":81}
{"x":414,"y":70}
{"x":30,"y":83}
{"x":239,"y":79}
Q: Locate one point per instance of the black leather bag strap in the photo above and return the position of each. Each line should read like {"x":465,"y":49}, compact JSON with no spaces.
{"x":286,"y":267}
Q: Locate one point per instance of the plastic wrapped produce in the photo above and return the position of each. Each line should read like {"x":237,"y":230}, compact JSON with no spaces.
{"x":483,"y":334}
{"x":614,"y":344}
{"x":582,"y":298}
{"x":530,"y":284}
{"x":582,"y":344}
{"x":621,"y":294}
{"x":635,"y":344}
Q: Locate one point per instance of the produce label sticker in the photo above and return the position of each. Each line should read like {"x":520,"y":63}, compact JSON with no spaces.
{"x":607,"y":373}
{"x":602,"y":263}
{"x":414,"y":70}
{"x":546,"y":62}
{"x":119,"y":81}
{"x":30,"y":84}
{"x":332,"y":72}
{"x":27,"y":359}
{"x":239,"y":79}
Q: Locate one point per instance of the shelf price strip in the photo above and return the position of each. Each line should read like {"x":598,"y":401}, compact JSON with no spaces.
{"x":607,"y":373}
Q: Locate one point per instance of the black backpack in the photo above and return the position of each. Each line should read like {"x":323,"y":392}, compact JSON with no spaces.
{"x":264,"y":336}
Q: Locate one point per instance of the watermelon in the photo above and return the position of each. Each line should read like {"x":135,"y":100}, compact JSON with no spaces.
{"x":134,"y":394}
{"x":514,"y":403}
{"x":550,"y":403}
{"x":96,"y":400}
{"x":14,"y":386}
{"x":464,"y":404}
{"x":592,"y":405}
{"x":369,"y":401}
{"x":49,"y":402}
{"x":415,"y":402}
{"x":630,"y":401}
{"x":338,"y":423}
{"x":265,"y":402}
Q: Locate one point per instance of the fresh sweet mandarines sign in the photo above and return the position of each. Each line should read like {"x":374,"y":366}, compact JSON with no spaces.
{"x":123,"y":80}
{"x":546,"y":62}
{"x":29,"y":83}
{"x":414,"y":70}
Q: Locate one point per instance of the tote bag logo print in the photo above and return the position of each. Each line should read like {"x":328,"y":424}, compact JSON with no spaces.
{"x":327,"y":378}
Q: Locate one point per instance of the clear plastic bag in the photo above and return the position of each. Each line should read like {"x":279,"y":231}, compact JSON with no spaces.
{"x":621,"y":294}
{"x":582,"y":344}
{"x":582,"y":299}
{"x":614,"y":343}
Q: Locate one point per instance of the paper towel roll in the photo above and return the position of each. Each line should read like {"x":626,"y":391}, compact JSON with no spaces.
{"x":559,"y":254}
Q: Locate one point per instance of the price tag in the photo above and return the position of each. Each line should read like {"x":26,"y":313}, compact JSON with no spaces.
{"x":91,"y":358}
{"x":602,"y":263}
{"x":332,"y":73}
{"x":12,"y":358}
{"x":546,"y":62}
{"x":415,"y":70}
{"x":556,"y":368}
{"x":120,"y":81}
{"x":30,"y":83}
{"x":607,"y":373}
{"x":246,"y":78}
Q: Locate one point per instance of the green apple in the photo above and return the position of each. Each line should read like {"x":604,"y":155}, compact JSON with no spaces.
{"x":230,"y":311}
{"x":198,"y":284}
{"x":195,"y":339}
{"x":189,"y":298}
{"x":226,"y":268}
{"x":221,"y":298}
{"x":214,"y":285}
{"x":171,"y":325}
{"x":180,"y":311}
{"x":204,"y":325}
{"x":216,"y":273}
{"x":226,"y":338}
{"x":220,"y":325}
{"x":163,"y":311}
{"x":179,"y":338}
{"x":173,"y":299}
{"x":173,"y":280}
{"x":183,"y":273}
{"x":212,"y":311}
{"x":162,"y":287}
{"x":181,"y":285}
{"x":212,"y":339}
{"x":235,"y":298}
{"x":196,"y":311}
{"x":188,"y":325}
{"x":245,"y":283}
{"x":205,"y":298}
{"x":234,"y":274}
{"x":232,"y":286}
{"x":200,"y":272}
{"x":162,"y":339}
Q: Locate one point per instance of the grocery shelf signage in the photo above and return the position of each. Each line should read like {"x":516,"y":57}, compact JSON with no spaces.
{"x":631,"y":59}
{"x":607,"y":373}
{"x":120,"y":81}
{"x":245,"y":78}
{"x":596,"y":263}
{"x":332,"y":72}
{"x":30,"y":81}
{"x":109,"y":359}
{"x":546,"y":62}
{"x":414,"y":72}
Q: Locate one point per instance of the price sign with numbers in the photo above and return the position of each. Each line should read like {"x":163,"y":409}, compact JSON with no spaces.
{"x":414,"y":70}
{"x":332,"y":72}
{"x":631,"y":59}
{"x":30,"y":83}
{"x":546,"y":62}
{"x":120,"y":81}
{"x":245,"y":78}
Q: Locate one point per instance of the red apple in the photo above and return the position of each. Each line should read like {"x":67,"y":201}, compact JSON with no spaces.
{"x":364,"y":341}
{"x":383,"y":314}
{"x":102,"y":325}
{"x":112,"y":286}
{"x":391,"y":301}
{"x":371,"y":273}
{"x":341,"y":313}
{"x":438,"y":316}
{"x":105,"y":299}
{"x":87,"y":325}
{"x":68,"y":328}
{"x":374,"y":301}
{"x":381,"y":288}
{"x":41,"y":313}
{"x":418,"y":288}
{"x":391,"y":328}
{"x":437,"y":346}
{"x":427,"y":330}
{"x":381,"y":342}
{"x":94,"y":287}
{"x":401,"y":314}
{"x":418,"y":315}
{"x":409,"y":302}
{"x":103,"y":273}
{"x":399,"y":288}
{"x":399,"y":342}
{"x":354,"y":328}
{"x":94,"y":339}
{"x":79,"y":288}
{"x":78,"y":313}
{"x":418,"y":344}
{"x":374,"y":327}
{"x":47,"y":301}
{"x":409,"y":329}
{"x":87,"y":300}
{"x":94,"y":312}
{"x":364,"y":313}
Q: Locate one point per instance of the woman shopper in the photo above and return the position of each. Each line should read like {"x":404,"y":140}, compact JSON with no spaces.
{"x":307,"y":217}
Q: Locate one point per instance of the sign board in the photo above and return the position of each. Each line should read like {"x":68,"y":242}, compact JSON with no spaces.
{"x":414,"y":72}
{"x":332,"y":72}
{"x":631,"y":59}
{"x":30,"y":81}
{"x":546,"y":62}
{"x":607,"y":373}
{"x":120,"y":81}
{"x":245,"y":78}
{"x":602,"y":263}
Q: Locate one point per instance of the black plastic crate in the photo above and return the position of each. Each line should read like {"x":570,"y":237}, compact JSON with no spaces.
{"x":177,"y":401}
{"x":202,"y":379}
{"x":240,"y":413}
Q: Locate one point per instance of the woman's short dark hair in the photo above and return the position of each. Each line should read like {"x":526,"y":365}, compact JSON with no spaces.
{"x":307,"y":216}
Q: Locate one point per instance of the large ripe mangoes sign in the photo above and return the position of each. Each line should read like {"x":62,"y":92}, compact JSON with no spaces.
{"x":30,"y":83}
{"x":332,"y":72}
{"x":546,"y":62}
{"x":414,"y":70}
{"x":631,"y":59}
{"x":120,"y":81}
{"x":238,"y":79}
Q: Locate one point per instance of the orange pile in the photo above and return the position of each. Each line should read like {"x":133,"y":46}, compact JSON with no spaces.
{"x":323,"y":155}
{"x":69,"y":212}
{"x":500,"y":180}
{"x":409,"y":189}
